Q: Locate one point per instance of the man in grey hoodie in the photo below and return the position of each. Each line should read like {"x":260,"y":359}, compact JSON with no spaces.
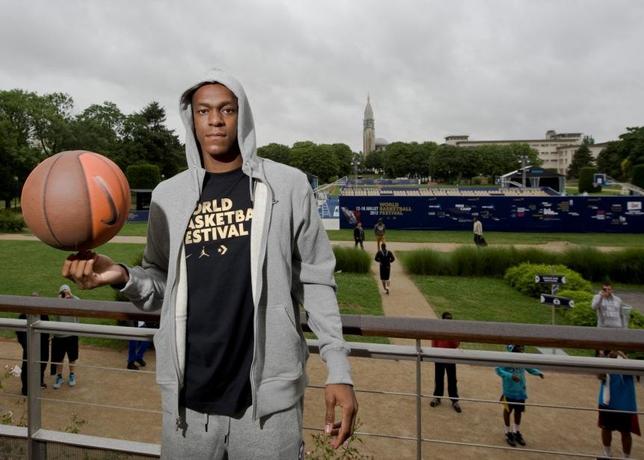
{"x":231,"y":355}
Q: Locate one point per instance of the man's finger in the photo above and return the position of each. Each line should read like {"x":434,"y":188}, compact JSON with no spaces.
{"x":66,"y":267}
{"x":329,"y":417}
{"x":80,"y":268}
{"x":347,"y":425}
{"x":89,"y":268}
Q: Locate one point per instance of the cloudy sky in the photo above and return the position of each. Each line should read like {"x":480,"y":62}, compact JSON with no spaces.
{"x":490,"y":69}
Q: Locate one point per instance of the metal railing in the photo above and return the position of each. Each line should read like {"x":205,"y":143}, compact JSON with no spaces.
{"x":417,"y":329}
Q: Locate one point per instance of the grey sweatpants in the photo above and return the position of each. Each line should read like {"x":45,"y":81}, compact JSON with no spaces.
{"x":218,"y":437}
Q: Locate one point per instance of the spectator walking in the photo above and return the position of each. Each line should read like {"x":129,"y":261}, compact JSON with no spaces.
{"x":478,"y":233}
{"x":379,"y":230}
{"x":385,"y":258}
{"x":44,"y":353}
{"x":617,"y":408}
{"x":440,"y":369}
{"x":65,"y":344}
{"x":358,"y":236}
{"x":611,"y":312}
{"x":514,"y":396}
{"x":135,"y":351}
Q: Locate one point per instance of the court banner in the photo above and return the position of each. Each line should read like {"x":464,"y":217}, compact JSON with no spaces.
{"x":617,"y":214}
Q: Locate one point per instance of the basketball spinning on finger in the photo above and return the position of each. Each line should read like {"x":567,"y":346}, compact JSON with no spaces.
{"x":76,"y":200}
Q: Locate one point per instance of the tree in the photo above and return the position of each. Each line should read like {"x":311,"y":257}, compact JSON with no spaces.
{"x":315,"y":160}
{"x":374,"y":161}
{"x":147,"y":140}
{"x":445,"y":163}
{"x":638,"y":175}
{"x":581,"y":159}
{"x":143,"y":175}
{"x":276,"y":152}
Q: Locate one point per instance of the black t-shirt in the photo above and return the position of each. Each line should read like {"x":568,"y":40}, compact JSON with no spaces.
{"x":219,"y":338}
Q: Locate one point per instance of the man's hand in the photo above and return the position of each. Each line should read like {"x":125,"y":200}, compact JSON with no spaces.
{"x":340,"y":395}
{"x":542,"y":376}
{"x":90,"y":270}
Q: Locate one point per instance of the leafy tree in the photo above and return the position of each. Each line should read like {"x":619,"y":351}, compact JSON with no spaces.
{"x":343,"y":157}
{"x":315,"y":160}
{"x":581,"y":159}
{"x":374,"y":161}
{"x":98,"y":128}
{"x":610,"y":159}
{"x":147,"y":140}
{"x":638,"y":175}
{"x":276,"y":152}
{"x":446,"y":162}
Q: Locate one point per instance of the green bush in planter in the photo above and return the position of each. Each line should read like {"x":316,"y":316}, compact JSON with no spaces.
{"x":521,"y":277}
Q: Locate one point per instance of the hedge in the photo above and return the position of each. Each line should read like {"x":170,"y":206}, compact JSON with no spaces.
{"x":11,"y":221}
{"x":625,"y":266}
{"x":351,"y":260}
{"x":586,"y":180}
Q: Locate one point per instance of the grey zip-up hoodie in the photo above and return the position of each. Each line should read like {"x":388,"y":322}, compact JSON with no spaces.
{"x":291,"y":265}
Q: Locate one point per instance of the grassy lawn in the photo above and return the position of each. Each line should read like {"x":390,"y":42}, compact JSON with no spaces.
{"x":465,"y":237}
{"x":486,"y":299}
{"x":134,"y":229}
{"x":32,"y":266}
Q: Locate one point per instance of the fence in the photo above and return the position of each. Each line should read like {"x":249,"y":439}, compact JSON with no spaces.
{"x":42,"y":443}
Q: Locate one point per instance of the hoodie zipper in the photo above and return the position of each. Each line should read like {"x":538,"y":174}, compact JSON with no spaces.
{"x":258,"y":291}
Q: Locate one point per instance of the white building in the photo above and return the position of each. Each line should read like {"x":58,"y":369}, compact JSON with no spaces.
{"x":555,"y":150}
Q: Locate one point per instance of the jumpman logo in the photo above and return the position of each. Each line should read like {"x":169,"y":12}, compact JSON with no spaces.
{"x":203,"y":252}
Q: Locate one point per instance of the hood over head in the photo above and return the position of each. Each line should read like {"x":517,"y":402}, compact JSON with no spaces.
{"x":245,"y":123}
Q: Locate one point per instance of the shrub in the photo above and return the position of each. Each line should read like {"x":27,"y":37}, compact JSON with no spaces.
{"x":351,"y":260}
{"x":625,"y":266}
{"x":427,"y":262}
{"x":521,"y":277}
{"x":577,"y":296}
{"x":582,"y":315}
{"x":11,"y":221}
{"x":638,"y":176}
{"x":586,"y":180}
{"x":143,"y":175}
{"x":589,"y":262}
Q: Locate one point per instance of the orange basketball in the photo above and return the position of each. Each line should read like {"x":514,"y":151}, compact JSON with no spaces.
{"x":76,"y":200}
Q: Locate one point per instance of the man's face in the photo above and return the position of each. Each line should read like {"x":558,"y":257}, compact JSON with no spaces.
{"x":66,"y":294}
{"x":214,"y":111}
{"x":608,"y":289}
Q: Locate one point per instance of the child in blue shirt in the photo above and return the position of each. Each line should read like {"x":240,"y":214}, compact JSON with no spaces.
{"x":514,"y":396}
{"x":617,"y":393}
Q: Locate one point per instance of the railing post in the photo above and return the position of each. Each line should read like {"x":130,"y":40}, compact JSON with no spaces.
{"x":419,"y":422}
{"x":36,"y":450}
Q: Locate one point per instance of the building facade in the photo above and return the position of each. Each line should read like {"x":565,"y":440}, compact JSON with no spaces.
{"x":556,"y":150}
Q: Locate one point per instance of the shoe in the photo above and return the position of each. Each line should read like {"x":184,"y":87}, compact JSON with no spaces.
{"x":43,"y":386}
{"x":72,"y":379}
{"x":387,"y":291}
{"x":132,"y":366}
{"x":518,"y":438}
{"x":457,"y":407}
{"x":59,"y":382}
{"x":509,"y":438}
{"x":141,"y":362}
{"x":435,"y":402}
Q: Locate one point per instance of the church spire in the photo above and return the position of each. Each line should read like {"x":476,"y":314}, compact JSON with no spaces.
{"x":368,"y":129}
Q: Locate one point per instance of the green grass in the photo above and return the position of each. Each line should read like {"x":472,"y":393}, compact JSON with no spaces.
{"x":486,"y":299}
{"x":134,"y":229}
{"x":358,"y":295}
{"x":465,"y":237}
{"x":32,"y":266}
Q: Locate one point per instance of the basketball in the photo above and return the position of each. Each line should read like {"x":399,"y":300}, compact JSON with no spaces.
{"x":76,"y":200}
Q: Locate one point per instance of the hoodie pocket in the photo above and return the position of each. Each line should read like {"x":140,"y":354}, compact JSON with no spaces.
{"x":162,"y":346}
{"x":283,"y":353}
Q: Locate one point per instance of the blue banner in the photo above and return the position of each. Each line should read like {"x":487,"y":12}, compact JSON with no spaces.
{"x":618,"y":214}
